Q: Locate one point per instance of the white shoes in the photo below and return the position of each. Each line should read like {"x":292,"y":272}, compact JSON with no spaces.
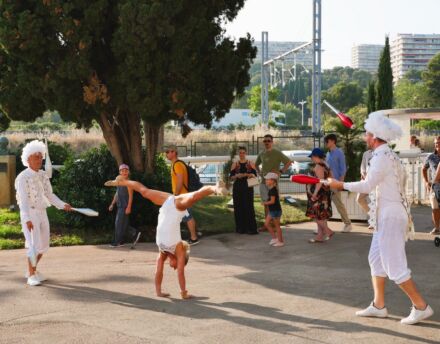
{"x":38,"y":275}
{"x":33,"y":281}
{"x":347,"y":229}
{"x":372,"y":311}
{"x":278,"y":244}
{"x":272,"y":242}
{"x":417,"y":315}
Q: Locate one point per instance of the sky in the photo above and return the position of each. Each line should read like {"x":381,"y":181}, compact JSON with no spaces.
{"x":344,"y":22}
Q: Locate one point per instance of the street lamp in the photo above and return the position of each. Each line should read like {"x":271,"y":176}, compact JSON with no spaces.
{"x":302,"y":102}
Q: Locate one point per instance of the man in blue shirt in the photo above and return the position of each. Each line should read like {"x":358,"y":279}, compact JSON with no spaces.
{"x":431,"y":164}
{"x":336,"y":162}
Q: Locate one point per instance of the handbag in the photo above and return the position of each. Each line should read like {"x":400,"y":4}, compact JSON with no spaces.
{"x":252,"y":182}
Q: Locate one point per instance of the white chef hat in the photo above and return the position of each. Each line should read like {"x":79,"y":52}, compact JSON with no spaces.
{"x":382,"y":127}
{"x":31,"y":148}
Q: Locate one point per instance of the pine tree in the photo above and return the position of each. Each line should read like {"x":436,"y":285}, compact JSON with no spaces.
{"x":371,"y":101}
{"x":385,"y":79}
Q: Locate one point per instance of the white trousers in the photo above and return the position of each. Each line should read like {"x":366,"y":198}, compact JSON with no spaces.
{"x":387,"y":255}
{"x":41,"y":232}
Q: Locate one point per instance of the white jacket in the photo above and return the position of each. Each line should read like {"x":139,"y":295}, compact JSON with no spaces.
{"x":34,"y":191}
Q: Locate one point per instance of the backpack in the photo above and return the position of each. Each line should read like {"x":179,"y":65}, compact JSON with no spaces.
{"x":194,"y":182}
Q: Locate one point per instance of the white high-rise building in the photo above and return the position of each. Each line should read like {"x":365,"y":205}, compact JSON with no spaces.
{"x":277,"y":48}
{"x":366,"y":57}
{"x":412,"y":51}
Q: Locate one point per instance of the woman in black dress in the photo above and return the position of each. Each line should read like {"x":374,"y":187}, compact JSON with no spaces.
{"x":243,"y":195}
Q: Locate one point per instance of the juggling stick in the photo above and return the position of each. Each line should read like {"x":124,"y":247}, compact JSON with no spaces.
{"x":86,"y":211}
{"x":305,"y":179}
{"x":345,"y":120}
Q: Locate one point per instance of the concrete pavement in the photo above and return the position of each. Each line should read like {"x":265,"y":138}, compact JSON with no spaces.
{"x":246,"y":292}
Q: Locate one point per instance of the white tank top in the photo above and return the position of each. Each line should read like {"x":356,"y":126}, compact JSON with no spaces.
{"x":168,"y":226}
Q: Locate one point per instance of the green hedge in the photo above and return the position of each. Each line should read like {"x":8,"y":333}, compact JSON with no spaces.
{"x":81,"y":183}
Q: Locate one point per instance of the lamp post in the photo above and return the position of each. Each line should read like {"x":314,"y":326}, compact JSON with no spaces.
{"x":302,"y":102}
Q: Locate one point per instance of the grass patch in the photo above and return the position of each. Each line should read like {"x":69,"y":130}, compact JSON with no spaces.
{"x":213,"y":216}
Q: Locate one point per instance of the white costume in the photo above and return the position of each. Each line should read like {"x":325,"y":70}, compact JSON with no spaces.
{"x":389,"y":211}
{"x":168,"y":226}
{"x":34,"y":195}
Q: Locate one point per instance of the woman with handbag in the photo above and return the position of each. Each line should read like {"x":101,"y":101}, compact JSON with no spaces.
{"x":244,"y":175}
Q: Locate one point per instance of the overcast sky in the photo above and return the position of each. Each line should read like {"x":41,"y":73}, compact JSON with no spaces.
{"x":344,"y":22}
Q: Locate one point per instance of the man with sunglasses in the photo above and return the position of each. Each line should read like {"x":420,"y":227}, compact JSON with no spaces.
{"x":179,"y":184}
{"x":431,"y":164}
{"x":270,"y":160}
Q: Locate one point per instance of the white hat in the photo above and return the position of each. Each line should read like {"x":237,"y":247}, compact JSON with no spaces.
{"x":271,"y":175}
{"x":382,"y":127}
{"x":32,"y":148}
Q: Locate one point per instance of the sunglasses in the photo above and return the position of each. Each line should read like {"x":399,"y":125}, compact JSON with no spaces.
{"x":267,"y":141}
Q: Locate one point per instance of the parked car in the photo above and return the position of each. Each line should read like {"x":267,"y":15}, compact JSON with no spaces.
{"x":298,"y":167}
{"x":208,"y":173}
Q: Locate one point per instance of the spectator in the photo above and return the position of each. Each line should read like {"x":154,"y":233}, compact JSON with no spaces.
{"x":431,"y":164}
{"x":179,"y":183}
{"x":412,"y":142}
{"x":270,"y":160}
{"x":243,"y":195}
{"x":123,"y":199}
{"x":275,"y":211}
{"x":336,"y":162}
{"x":319,"y":201}
{"x":362,"y":198}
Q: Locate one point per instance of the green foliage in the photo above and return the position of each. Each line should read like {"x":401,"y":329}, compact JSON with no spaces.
{"x":5,"y":121}
{"x":371,"y":97}
{"x":254,"y":100}
{"x":431,"y":77}
{"x":384,"y":92}
{"x":119,"y":62}
{"x":350,"y":140}
{"x":413,"y":75}
{"x":343,"y":96}
{"x":408,"y":94}
{"x":427,"y":124}
{"x":81,"y":183}
{"x":227,"y":166}
{"x":293,"y":115}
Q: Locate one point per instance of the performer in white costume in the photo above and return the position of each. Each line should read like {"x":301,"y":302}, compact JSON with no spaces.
{"x":168,"y":239}
{"x":390,"y":217}
{"x":34,"y":195}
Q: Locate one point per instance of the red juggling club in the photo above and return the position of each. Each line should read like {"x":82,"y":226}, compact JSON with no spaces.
{"x":345,"y":120}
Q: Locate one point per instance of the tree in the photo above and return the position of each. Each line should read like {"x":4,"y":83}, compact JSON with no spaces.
{"x":4,"y":121}
{"x":384,"y":92}
{"x":431,"y":77}
{"x":343,"y":95}
{"x":412,"y":95}
{"x":254,"y":99}
{"x":413,"y":75}
{"x":129,"y":65}
{"x":371,"y":97}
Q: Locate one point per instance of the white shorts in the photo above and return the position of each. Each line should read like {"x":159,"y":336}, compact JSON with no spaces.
{"x":40,"y":235}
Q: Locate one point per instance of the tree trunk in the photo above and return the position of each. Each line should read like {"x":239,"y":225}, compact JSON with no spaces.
{"x":123,"y":137}
{"x":152,"y":140}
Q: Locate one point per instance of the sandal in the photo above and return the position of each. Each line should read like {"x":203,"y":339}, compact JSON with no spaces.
{"x":314,"y":241}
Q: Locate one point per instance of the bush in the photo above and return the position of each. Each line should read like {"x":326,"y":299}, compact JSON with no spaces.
{"x":81,"y":183}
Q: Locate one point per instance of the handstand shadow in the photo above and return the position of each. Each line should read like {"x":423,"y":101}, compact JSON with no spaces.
{"x":199,"y":308}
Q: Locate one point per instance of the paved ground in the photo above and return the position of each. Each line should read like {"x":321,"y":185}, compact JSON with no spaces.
{"x":246,"y":292}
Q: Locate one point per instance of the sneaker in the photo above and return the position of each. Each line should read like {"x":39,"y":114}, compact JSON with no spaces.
{"x":435,"y":231}
{"x":347,"y":228}
{"x":273,"y":241}
{"x":33,"y":281}
{"x":373,"y":311}
{"x":315,"y":231}
{"x":192,"y":242}
{"x":417,"y":315}
{"x":220,"y":189}
{"x":40,"y":276}
{"x":278,"y":244}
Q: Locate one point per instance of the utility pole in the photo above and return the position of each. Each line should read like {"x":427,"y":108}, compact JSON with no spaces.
{"x":264,"y":79}
{"x":316,"y":73}
{"x":302,"y":102}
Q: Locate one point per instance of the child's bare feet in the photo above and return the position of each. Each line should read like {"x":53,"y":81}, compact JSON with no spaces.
{"x":163,"y":294}
{"x":113,"y":182}
{"x":185,"y":295}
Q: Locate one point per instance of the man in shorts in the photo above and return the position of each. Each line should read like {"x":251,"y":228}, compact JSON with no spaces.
{"x":270,"y":160}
